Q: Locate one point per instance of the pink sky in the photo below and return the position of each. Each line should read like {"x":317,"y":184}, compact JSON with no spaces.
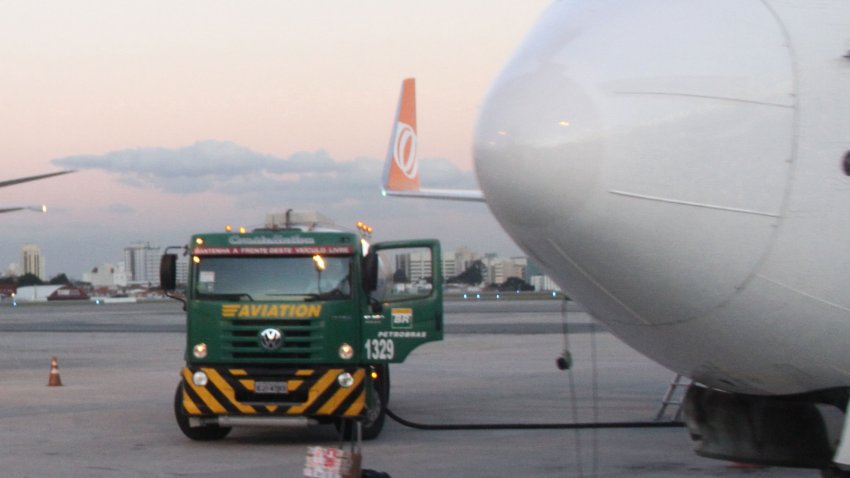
{"x":277,"y":78}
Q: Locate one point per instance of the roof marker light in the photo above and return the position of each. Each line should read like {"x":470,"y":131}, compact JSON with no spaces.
{"x":365,"y":229}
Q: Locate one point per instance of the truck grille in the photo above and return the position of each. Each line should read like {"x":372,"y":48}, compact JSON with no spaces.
{"x":302,"y":339}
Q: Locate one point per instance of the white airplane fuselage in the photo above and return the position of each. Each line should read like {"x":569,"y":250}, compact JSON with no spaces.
{"x":678,"y":168}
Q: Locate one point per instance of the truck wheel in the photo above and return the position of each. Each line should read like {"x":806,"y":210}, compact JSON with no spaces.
{"x":373,"y":422}
{"x":205,"y":433}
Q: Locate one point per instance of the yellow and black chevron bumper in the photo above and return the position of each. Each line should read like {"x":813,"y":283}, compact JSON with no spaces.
{"x":300,"y":392}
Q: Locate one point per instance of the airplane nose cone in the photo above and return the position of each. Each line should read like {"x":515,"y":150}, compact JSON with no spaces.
{"x":540,"y":151}
{"x":641,"y":150}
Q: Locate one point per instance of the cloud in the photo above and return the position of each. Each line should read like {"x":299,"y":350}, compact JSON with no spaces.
{"x":249,"y":184}
{"x":231,"y":169}
{"x":203,"y":166}
{"x":202,"y":159}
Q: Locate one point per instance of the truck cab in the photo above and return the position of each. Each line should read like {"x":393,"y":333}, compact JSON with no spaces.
{"x":296,"y":323}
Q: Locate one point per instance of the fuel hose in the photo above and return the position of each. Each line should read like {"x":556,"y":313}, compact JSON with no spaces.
{"x":535,"y":426}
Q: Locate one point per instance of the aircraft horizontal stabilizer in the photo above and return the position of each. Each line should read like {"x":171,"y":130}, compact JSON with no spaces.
{"x":401,"y":170}
{"x":12,"y":182}
{"x":41,"y":208}
{"x":448,"y":194}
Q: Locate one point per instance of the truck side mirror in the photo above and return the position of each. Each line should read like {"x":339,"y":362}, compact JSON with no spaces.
{"x":168,"y":272}
{"x":370,"y":272}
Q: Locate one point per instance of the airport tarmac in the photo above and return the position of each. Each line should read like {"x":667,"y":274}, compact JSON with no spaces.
{"x":119,"y":364}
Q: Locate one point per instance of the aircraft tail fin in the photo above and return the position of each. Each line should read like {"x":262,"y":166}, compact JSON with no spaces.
{"x":401,"y":169}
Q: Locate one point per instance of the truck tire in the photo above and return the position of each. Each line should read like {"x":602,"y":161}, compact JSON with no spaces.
{"x":205,"y":433}
{"x":373,"y":422}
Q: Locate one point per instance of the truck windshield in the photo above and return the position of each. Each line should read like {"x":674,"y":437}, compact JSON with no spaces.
{"x":273,"y":278}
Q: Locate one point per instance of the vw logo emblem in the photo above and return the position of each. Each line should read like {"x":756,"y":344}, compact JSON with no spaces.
{"x":271,"y":339}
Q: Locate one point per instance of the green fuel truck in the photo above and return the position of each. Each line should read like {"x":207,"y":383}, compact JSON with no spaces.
{"x":296,"y":323}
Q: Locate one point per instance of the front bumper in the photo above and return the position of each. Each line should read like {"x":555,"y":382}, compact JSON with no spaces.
{"x":309,"y":392}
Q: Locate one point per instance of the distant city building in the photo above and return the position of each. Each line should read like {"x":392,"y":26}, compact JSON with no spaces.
{"x":533,"y":269}
{"x":141,"y":268}
{"x":32,"y":261}
{"x":14,"y":270}
{"x":117,"y":276}
{"x":142,"y":262}
{"x":100,"y":276}
{"x":415,"y":265}
{"x":449,"y":269}
{"x":107,"y":276}
{"x":464,"y":257}
{"x":458,"y":261}
{"x":542,"y":282}
{"x":120,"y":278}
{"x":535,"y":276}
{"x":521,"y":267}
{"x":499,"y":270}
{"x":496,"y":269}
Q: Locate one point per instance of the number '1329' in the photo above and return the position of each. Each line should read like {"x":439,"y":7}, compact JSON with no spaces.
{"x":380,"y":349}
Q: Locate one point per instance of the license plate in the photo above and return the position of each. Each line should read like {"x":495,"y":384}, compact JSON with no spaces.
{"x":270,"y":387}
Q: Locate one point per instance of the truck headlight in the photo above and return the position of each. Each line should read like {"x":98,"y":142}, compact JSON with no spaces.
{"x":345,"y":380}
{"x":200,"y":379}
{"x":346,"y":351}
{"x":199,"y":350}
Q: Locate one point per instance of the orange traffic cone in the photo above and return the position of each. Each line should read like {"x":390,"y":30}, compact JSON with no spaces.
{"x":54,"y":380}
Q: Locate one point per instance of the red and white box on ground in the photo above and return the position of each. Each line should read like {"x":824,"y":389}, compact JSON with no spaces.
{"x":323,"y":462}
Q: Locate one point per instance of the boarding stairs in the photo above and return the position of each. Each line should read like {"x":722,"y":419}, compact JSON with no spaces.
{"x":671,"y":404}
